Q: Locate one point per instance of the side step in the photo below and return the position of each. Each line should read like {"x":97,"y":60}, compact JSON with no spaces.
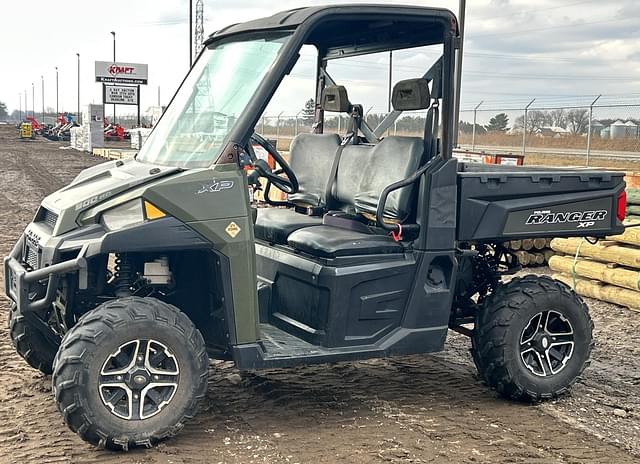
{"x":278,"y":348}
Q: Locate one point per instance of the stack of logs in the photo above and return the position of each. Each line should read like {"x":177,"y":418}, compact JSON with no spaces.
{"x":607,"y":271}
{"x":531,"y":252}
{"x":633,"y":205}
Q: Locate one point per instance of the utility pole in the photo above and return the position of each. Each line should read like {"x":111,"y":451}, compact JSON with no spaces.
{"x":26,"y":107}
{"x":199,"y":38}
{"x":114,"y":61}
{"x":475,"y":118}
{"x":524,"y":129}
{"x":190,"y":33}
{"x":57,"y":109}
{"x":33,"y":100}
{"x":42,"y":78}
{"x":590,"y":123}
{"x":390,"y":79}
{"x":78,"y":114}
{"x":20,"y":111}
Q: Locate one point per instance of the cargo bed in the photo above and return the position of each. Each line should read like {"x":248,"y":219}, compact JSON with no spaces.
{"x":499,"y":203}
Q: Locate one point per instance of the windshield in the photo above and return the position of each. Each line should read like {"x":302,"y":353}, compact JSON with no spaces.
{"x":194,"y":127}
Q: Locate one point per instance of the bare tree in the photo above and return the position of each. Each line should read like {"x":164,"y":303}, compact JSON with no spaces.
{"x":536,"y":120}
{"x":558,"y":118}
{"x":578,"y":121}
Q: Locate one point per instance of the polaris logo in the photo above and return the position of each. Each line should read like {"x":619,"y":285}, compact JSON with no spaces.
{"x":583,"y":219}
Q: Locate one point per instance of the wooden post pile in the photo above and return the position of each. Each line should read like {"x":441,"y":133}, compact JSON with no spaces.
{"x":531,"y":252}
{"x":633,"y":204}
{"x":607,"y":271}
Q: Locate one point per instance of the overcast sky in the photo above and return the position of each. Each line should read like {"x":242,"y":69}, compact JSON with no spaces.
{"x":562,"y":52}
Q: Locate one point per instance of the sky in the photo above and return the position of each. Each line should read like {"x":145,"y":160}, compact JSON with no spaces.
{"x":562,"y":52}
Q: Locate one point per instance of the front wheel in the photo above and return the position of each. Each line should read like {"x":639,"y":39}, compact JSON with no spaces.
{"x":30,"y":343}
{"x":130,"y":373}
{"x":532,"y":339}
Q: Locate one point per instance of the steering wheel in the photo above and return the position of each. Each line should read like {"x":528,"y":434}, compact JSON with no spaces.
{"x":287,"y":185}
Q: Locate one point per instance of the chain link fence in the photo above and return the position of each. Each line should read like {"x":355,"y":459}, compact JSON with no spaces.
{"x":581,"y":133}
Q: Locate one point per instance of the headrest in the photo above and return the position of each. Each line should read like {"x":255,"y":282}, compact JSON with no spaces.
{"x":411,"y":94}
{"x":335,"y":99}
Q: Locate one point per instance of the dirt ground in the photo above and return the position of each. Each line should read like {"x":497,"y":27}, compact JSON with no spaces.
{"x":405,"y":410}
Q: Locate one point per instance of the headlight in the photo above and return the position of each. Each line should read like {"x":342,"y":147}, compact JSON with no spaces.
{"x":125,"y":215}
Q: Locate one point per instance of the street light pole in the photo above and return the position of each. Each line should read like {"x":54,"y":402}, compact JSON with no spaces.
{"x":20,"y":99}
{"x":78,"y":114}
{"x":33,"y":100}
{"x":26,"y":107}
{"x":524,"y":129}
{"x":590,"y":123}
{"x":475,"y":118}
{"x":42,"y":78}
{"x":56,"y":91}
{"x":114,"y":60}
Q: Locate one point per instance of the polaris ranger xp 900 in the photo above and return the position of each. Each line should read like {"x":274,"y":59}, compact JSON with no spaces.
{"x":132,"y":277}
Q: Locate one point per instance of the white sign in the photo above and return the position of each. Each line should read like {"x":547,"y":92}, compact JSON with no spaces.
{"x":120,"y":95}
{"x":121,"y":73}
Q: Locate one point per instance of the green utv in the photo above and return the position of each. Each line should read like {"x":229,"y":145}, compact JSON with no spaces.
{"x":132,"y":277}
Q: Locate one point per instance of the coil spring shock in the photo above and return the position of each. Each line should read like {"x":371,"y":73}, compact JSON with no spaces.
{"x":124,"y":275}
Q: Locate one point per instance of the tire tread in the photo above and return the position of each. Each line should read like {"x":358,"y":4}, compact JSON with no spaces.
{"x":69,"y":380}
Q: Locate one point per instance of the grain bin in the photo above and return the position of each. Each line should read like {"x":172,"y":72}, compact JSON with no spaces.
{"x":596,"y":128}
{"x":618,"y":130}
{"x":631,"y":130}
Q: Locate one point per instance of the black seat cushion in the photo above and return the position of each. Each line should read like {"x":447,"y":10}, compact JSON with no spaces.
{"x":311,"y":157}
{"x":274,"y":225}
{"x":333,"y":242}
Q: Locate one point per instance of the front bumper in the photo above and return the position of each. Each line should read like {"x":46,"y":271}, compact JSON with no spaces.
{"x":24,"y":287}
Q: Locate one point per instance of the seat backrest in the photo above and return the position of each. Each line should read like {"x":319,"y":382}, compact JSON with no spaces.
{"x":366,"y":170}
{"x":311,"y":157}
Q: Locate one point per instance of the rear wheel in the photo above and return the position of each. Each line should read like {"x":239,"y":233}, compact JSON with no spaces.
{"x":130,"y":373}
{"x":533,"y":339}
{"x":36,"y":349}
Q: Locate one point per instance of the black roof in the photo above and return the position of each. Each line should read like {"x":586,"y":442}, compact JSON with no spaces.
{"x":292,"y":18}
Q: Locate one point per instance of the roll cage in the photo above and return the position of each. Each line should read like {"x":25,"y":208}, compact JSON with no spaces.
{"x":346,"y":31}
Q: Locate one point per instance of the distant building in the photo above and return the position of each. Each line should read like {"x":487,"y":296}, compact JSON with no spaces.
{"x":596,"y":128}
{"x":622,"y":130}
{"x":553,"y":131}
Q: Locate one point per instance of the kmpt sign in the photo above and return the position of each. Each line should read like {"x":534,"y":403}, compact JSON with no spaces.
{"x":122,"y":73}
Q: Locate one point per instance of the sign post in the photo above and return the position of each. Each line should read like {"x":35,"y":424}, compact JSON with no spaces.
{"x":132,"y":75}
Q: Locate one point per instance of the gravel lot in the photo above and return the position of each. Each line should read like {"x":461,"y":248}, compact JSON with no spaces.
{"x":411,"y":409}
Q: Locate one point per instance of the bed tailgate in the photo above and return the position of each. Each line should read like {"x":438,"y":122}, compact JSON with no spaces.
{"x":506,"y":205}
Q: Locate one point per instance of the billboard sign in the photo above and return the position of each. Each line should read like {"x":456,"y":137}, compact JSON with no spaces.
{"x":121,"y":73}
{"x":121,"y":95}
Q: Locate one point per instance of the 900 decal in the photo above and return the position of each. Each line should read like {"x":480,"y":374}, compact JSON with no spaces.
{"x":92,"y":201}
{"x":583,"y":219}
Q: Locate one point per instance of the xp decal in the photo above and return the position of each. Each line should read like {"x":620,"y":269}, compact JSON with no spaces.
{"x":216,"y":186}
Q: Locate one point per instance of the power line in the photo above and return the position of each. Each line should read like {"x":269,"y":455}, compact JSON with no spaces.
{"x":508,"y":34}
{"x":369,"y":65}
{"x":538,"y":10}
